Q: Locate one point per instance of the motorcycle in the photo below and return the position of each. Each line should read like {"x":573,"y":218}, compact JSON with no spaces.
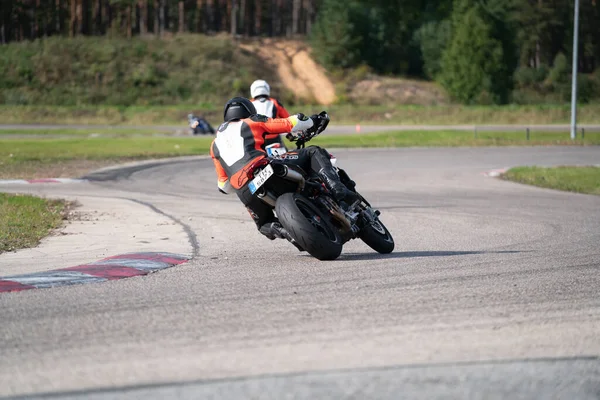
{"x":313,"y":219}
{"x":199,"y":126}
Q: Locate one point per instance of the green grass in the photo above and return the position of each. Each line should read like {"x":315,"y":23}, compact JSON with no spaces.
{"x":24,"y":220}
{"x":571,"y":179}
{"x":93,"y":132}
{"x":454,"y":139}
{"x":340,"y":113}
{"x":50,"y":150}
{"x":27,"y":158}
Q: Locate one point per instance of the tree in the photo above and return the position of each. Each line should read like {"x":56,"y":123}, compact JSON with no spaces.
{"x":478,"y":64}
{"x":473,"y":67}
{"x":333,"y":38}
{"x":432,"y":39}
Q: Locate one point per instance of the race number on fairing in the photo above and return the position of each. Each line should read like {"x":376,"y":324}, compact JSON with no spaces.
{"x":260,"y":179}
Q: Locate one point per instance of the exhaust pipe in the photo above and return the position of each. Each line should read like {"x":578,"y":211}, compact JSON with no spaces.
{"x":268,"y":198}
{"x":292,"y":175}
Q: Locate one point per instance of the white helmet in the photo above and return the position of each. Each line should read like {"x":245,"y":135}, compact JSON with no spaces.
{"x":260,"y":87}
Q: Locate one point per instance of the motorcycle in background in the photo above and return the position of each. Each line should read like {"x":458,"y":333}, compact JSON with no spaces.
{"x":199,"y":126}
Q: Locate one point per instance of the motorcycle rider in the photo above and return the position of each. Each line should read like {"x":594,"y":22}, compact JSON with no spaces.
{"x":260,"y":91}
{"x":239,"y":143}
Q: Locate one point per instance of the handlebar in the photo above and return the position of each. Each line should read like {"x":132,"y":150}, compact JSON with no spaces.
{"x":307,"y":135}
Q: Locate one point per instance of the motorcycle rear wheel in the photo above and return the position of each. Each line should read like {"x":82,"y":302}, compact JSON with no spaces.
{"x":309,"y":226}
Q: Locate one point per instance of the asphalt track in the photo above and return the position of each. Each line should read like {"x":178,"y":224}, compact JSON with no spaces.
{"x":492,"y":292}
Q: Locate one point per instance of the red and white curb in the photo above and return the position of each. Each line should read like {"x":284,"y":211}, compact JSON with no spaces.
{"x":43,"y":180}
{"x":495,"y":172}
{"x":108,"y":269}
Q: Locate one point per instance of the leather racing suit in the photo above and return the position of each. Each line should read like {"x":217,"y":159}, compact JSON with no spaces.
{"x":239,"y":143}
{"x":272,"y":108}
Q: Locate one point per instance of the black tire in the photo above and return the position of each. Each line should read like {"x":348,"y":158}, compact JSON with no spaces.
{"x":377,"y":237}
{"x":309,"y":226}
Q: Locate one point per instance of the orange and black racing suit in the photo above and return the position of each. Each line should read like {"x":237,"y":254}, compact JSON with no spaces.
{"x":272,"y":108}
{"x":239,"y":143}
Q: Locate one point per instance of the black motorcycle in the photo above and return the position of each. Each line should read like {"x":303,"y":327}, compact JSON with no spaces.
{"x":199,"y":126}
{"x":313,"y":219}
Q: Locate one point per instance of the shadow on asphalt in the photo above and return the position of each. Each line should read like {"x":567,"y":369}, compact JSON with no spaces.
{"x":415,"y":254}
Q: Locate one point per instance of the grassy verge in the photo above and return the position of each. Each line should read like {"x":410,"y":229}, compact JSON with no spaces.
{"x":340,"y":113}
{"x":43,"y":158}
{"x":93,"y":132}
{"x":72,"y":157}
{"x":24,"y":220}
{"x":571,"y":179}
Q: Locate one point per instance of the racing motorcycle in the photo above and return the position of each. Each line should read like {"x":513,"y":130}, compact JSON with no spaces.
{"x":314,"y":221}
{"x":199,"y":126}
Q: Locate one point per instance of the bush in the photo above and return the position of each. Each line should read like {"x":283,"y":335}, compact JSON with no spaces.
{"x":531,"y":77}
{"x":559,"y":74}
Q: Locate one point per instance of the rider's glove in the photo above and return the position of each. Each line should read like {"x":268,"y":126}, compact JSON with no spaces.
{"x":300,"y":123}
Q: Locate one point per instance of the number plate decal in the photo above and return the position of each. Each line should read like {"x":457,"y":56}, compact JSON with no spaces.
{"x":260,"y":179}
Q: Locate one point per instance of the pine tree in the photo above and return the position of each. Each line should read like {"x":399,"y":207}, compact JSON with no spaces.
{"x":333,"y":38}
{"x":478,"y":63}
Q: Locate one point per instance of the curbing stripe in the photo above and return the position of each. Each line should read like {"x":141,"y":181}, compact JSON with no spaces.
{"x":112,"y":273}
{"x":495,"y":172}
{"x":111,"y":268}
{"x":138,"y":264}
{"x":53,"y":278}
{"x":10,"y":286}
{"x":41,"y":180}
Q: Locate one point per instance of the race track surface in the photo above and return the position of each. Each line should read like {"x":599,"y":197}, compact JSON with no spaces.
{"x":492,"y":292}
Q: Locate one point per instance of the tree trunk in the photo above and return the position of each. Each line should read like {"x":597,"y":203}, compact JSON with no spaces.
{"x":73,"y":28}
{"x":97,"y":24}
{"x":129,"y":18}
{"x":210,"y":16}
{"x":143,"y":4}
{"x":233,"y":17}
{"x":181,"y":17}
{"x":242,"y":23}
{"x":309,"y":15}
{"x":297,"y":4}
{"x":80,"y":17}
{"x":198,"y":16}
{"x":161,"y":16}
{"x":85,"y":17}
{"x":257,"y":18}
{"x":57,"y":16}
{"x":157,"y":17}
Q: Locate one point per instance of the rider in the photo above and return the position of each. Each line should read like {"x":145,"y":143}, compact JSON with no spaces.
{"x":239,"y":143}
{"x":267,"y":105}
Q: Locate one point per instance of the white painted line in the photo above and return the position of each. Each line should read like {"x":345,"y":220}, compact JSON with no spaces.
{"x":144,"y":265}
{"x":38,"y":181}
{"x":54,"y":278}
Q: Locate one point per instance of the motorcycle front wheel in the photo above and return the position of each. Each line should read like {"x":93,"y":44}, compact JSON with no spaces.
{"x":309,"y":226}
{"x":377,"y":237}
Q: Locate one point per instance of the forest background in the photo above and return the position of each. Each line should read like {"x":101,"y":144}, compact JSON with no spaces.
{"x":166,"y":52}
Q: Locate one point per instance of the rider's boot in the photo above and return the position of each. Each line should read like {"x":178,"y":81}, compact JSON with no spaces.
{"x":340,"y":192}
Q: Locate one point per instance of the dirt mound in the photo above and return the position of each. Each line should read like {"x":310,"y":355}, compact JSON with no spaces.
{"x":296,"y":69}
{"x":379,"y":90}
